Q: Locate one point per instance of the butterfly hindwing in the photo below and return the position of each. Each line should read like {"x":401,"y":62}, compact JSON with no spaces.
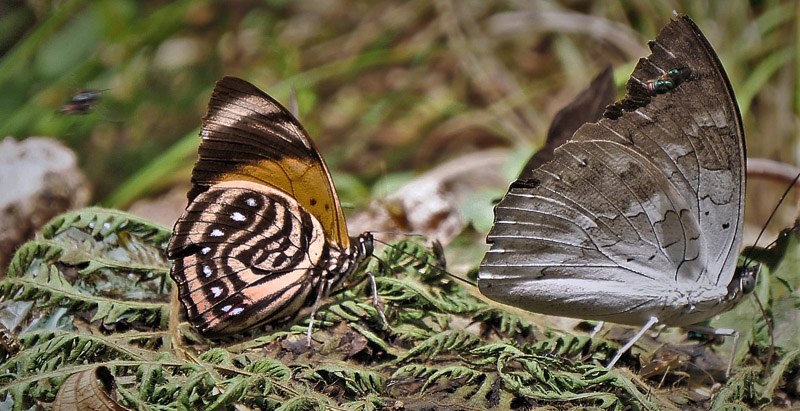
{"x":640,"y":213}
{"x":243,"y":253}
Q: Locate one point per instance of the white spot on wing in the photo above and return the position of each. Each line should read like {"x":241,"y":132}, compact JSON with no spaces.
{"x":205,"y":250}
{"x":207,"y":271}
{"x":237,"y":311}
{"x":226,"y":308}
{"x":251,"y":202}
{"x":216,"y":291}
{"x":216,"y":233}
{"x":237,"y":216}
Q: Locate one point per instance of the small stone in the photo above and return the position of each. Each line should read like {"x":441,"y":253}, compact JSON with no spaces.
{"x":40,"y":179}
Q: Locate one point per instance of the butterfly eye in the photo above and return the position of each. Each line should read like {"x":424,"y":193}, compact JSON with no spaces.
{"x":367,"y":243}
{"x":747,"y":283}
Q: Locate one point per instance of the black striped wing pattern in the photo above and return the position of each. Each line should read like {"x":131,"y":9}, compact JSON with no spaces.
{"x":263,"y":234}
{"x":640,"y":214}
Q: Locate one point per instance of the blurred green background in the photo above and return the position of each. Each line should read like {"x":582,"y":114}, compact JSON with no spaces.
{"x":387,"y":89}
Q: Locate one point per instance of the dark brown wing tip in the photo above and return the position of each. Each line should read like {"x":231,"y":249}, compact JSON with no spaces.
{"x":238,"y":84}
{"x":227,"y":89}
{"x":637,"y":95}
{"x":234,"y":87}
{"x":230,"y":87}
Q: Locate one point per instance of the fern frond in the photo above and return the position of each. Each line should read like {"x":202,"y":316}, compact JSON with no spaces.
{"x":408,"y":292}
{"x":350,"y":310}
{"x":456,"y":340}
{"x":625,"y":383}
{"x":368,"y":403}
{"x":53,"y":347}
{"x":415,"y":259}
{"x":489,"y":353}
{"x":358,"y":381}
{"x":738,"y":390}
{"x":272,"y":369}
{"x":235,"y":390}
{"x":102,"y":222}
{"x":302,"y":404}
{"x":508,"y":323}
{"x":110,"y":258}
{"x":414,"y":370}
{"x":151,"y":382}
{"x":572,"y":346}
{"x":465,"y":375}
{"x":409,"y":328}
{"x":420,"y":359}
{"x":51,"y":289}
{"x":196,"y":389}
{"x":216,"y":356}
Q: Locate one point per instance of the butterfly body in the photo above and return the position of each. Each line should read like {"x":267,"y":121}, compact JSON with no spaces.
{"x":639,"y":215}
{"x":263,"y":234}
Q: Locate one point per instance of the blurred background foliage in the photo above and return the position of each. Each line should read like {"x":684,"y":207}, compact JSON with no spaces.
{"x":387,"y":89}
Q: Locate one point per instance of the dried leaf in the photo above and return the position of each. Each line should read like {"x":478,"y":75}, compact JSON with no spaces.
{"x":88,"y":390}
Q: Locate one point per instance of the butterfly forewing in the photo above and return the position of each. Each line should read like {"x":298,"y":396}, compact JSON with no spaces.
{"x":586,"y":107}
{"x":249,"y":136}
{"x":640,"y":214}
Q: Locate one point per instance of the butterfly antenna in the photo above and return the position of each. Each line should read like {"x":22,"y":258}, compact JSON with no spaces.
{"x":771,"y":333}
{"x":407,"y":234}
{"x":783,"y":234}
{"x":748,"y":258}
{"x":389,"y":266}
{"x":383,"y":262}
{"x":438,"y":269}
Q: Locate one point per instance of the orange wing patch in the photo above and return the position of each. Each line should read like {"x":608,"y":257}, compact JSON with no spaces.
{"x":310,"y":184}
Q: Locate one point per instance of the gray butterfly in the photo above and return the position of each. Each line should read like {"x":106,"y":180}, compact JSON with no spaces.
{"x":638,"y":218}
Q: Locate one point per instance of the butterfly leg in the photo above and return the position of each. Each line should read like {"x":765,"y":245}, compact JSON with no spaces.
{"x":376,"y":301}
{"x":320,"y":295}
{"x":629,"y":344}
{"x":720,"y":332}
{"x":597,"y":328}
{"x":661,"y":328}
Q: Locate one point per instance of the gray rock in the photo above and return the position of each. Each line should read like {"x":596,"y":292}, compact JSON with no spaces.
{"x":39,"y":179}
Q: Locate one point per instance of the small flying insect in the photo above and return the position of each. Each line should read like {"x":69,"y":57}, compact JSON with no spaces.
{"x":81,"y":103}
